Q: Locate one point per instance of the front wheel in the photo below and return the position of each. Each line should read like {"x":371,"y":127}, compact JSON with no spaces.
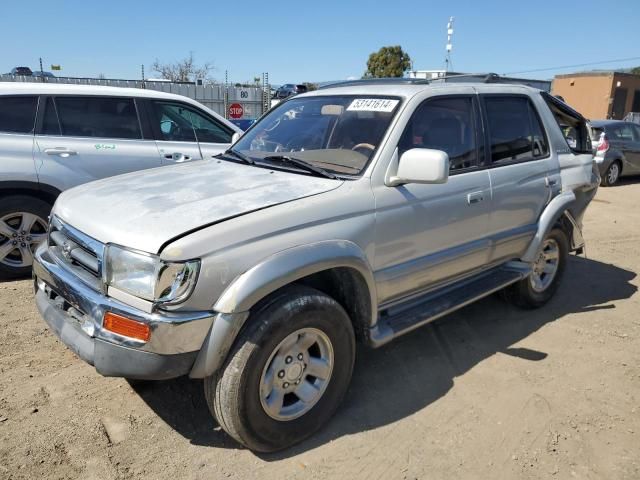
{"x":287,"y":373}
{"x":23,"y":227}
{"x":548,"y":269}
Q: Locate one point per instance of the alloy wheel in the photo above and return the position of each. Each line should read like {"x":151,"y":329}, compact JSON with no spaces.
{"x":20,"y":235}
{"x":546,"y":266}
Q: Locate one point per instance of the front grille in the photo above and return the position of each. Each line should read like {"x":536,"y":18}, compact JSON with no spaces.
{"x":76,"y":251}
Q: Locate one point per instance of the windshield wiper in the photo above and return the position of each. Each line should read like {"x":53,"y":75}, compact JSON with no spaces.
{"x":302,"y":164}
{"x":239,"y":156}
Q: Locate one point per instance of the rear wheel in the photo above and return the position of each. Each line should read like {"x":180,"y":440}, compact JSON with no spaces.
{"x":23,"y":227}
{"x":537,"y":289}
{"x":612,"y":175}
{"x":287,"y":372}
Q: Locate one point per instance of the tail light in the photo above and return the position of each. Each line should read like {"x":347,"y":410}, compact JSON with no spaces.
{"x":603,"y":145}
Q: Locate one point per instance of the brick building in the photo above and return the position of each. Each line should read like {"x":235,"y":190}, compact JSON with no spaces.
{"x":599,"y":95}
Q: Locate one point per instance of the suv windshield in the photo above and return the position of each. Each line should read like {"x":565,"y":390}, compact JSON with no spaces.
{"x":338,"y":134}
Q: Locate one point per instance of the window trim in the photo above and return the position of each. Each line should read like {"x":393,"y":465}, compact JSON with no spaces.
{"x":487,"y":130}
{"x":40,"y":120}
{"x":35,"y":116}
{"x":478,"y":129}
{"x":155,"y":121}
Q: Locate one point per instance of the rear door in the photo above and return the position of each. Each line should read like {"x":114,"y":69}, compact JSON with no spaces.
{"x":17,"y":122}
{"x":633,"y":155}
{"x":84,"y":138}
{"x":521,"y":169}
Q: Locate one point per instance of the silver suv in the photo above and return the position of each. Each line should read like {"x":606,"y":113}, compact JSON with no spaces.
{"x":53,"y":137}
{"x":350,"y":214}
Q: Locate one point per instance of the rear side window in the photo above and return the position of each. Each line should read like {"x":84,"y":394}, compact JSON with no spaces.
{"x":50,"y":124}
{"x":622,"y":132}
{"x":104,"y":117}
{"x":572,"y":125}
{"x":18,"y":114}
{"x":515,"y":130}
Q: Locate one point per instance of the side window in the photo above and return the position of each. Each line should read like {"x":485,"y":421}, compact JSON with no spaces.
{"x":446,"y":124}
{"x":208,"y":130}
{"x":183,"y":124}
{"x":622,"y":132}
{"x":572,"y":125}
{"x":515,"y":131}
{"x":50,"y":124}
{"x":18,"y":114}
{"x":104,"y":117}
{"x":636,"y":132}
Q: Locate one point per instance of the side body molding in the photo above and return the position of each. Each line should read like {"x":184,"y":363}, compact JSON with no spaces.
{"x":271,"y":274}
{"x":554,"y":209}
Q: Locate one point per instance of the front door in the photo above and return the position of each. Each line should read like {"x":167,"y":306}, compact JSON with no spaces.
{"x":84,"y":138}
{"x":184,"y":133}
{"x":430,"y":234}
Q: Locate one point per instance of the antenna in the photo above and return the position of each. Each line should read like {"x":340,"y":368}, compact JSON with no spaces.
{"x":447,"y":61}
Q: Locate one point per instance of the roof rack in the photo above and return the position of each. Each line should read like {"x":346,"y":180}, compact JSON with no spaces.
{"x":462,"y":77}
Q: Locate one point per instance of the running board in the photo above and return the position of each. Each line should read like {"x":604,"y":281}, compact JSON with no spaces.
{"x":400,"y":319}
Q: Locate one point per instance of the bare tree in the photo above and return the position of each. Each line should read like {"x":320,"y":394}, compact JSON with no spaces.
{"x":185,"y":70}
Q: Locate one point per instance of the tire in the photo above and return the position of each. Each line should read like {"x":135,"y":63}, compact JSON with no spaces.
{"x":529,"y":293}
{"x":18,"y":214}
{"x":612,"y":175}
{"x":236,"y":394}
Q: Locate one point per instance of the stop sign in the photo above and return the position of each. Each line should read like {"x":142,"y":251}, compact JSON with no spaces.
{"x":236,"y":110}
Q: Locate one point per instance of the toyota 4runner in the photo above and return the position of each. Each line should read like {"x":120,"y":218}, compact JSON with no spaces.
{"x":355,"y":213}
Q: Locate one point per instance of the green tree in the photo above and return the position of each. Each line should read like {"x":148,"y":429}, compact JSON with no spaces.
{"x":388,"y":62}
{"x":635,"y":70}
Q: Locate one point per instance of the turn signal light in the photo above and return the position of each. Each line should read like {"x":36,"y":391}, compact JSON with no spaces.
{"x":126,"y":327}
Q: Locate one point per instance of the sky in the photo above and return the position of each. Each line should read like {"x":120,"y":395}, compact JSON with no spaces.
{"x":317,"y":40}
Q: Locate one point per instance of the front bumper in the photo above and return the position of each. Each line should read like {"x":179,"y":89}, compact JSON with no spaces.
{"x":74,"y":312}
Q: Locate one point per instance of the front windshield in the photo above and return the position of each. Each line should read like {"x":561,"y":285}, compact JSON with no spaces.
{"x":338,"y":134}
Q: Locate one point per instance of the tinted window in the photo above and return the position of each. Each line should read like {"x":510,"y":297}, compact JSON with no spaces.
{"x":622,"y":132}
{"x":50,"y":125}
{"x":445,"y":124}
{"x":104,"y":117}
{"x":182,"y":124}
{"x":17,"y":114}
{"x":636,"y":132}
{"x":515,"y":131}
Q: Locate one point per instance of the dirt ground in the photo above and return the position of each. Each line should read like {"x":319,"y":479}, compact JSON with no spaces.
{"x":489,"y":392}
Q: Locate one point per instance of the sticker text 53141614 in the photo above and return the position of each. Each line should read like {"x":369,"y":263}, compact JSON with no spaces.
{"x":372,"y":105}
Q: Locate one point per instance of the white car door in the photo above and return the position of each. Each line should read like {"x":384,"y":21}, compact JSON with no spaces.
{"x":84,"y":138}
{"x":184,"y":133}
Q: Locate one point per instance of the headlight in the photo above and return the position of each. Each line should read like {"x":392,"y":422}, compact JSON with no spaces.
{"x":147,"y":276}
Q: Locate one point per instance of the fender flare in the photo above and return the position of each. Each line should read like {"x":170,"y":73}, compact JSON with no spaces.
{"x":281,"y":269}
{"x":554,"y":209}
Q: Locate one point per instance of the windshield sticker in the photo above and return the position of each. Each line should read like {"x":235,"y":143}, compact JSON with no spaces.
{"x":372,"y":105}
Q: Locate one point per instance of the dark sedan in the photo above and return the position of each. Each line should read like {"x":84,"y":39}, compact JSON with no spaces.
{"x":616,"y":147}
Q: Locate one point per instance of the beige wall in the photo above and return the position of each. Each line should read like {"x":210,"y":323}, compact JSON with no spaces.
{"x":589,"y":95}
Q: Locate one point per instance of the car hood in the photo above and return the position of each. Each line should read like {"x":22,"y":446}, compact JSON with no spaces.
{"x":146,"y":209}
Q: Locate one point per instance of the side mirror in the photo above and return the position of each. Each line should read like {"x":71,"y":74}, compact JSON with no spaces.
{"x":235,"y":137}
{"x":421,"y":165}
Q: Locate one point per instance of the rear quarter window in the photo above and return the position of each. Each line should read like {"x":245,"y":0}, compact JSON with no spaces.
{"x":18,"y":114}
{"x":103,"y":117}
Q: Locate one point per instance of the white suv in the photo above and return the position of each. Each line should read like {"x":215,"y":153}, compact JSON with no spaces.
{"x":53,"y":137}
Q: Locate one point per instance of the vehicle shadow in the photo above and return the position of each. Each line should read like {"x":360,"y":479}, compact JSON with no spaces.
{"x":415,"y":370}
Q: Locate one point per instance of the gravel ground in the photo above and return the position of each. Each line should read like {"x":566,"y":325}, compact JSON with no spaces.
{"x":489,"y":392}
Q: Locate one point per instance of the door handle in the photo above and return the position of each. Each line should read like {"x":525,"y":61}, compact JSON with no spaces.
{"x":475,"y":197}
{"x":62,"y":151}
{"x":177,"y":157}
{"x":550,"y":182}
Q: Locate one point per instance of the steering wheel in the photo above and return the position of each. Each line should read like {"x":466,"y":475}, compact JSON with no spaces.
{"x":363,"y":145}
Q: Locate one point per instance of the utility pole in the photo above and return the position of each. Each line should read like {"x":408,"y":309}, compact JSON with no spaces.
{"x":41,"y":71}
{"x":447,"y":61}
{"x":226,"y":94}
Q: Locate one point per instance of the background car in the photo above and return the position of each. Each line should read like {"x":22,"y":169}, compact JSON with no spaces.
{"x":39,"y":73}
{"x":26,"y":71}
{"x":289,"y":89}
{"x":54,"y":137}
{"x":616,"y":145}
